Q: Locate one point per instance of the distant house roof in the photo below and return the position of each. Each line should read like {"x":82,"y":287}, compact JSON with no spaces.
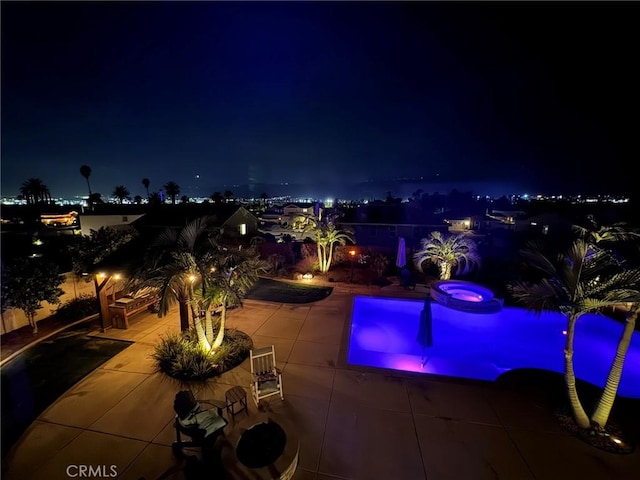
{"x":177,"y":216}
{"x":300,"y":205}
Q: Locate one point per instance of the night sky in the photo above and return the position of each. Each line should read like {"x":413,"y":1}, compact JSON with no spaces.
{"x":537,"y":96}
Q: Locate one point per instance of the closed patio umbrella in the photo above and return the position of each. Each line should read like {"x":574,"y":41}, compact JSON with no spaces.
{"x":401,"y":257}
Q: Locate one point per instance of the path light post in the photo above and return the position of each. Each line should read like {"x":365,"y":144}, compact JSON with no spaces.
{"x":352,"y":253}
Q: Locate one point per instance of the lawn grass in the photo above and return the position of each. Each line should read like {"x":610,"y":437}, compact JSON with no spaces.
{"x":270,"y":290}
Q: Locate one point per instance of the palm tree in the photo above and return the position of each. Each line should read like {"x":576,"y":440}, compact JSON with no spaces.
{"x":121,"y":193}
{"x":174,"y":262}
{"x":448,"y":251}
{"x":601,"y":414}
{"x":146,"y":183}
{"x":85,"y":171}
{"x":35,"y":191}
{"x":229,"y":278}
{"x":228,"y":195}
{"x":613,"y":234}
{"x":586,"y":278}
{"x":326,"y":236}
{"x":173,"y":190}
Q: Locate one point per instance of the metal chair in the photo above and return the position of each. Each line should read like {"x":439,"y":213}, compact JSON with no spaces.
{"x":266,"y":378}
{"x":202,"y":426}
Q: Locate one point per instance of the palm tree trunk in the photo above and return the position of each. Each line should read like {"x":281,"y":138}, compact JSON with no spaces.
{"x":223,"y":319}
{"x":579,"y":415}
{"x":202,"y":338}
{"x":184,"y":316}
{"x":320,"y":259}
{"x":330,"y":258}
{"x":445,"y":271}
{"x":208,"y":325}
{"x":601,"y":415}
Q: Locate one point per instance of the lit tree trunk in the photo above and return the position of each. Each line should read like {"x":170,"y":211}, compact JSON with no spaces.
{"x":208,"y":325}
{"x":445,"y":270}
{"x":31,"y":316}
{"x":320,"y":258}
{"x":223,"y":318}
{"x":577,"y":410}
{"x":330,"y":258}
{"x":202,"y":338}
{"x":601,"y":415}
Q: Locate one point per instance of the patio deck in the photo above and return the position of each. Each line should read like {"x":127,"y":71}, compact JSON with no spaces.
{"x":353,"y":423}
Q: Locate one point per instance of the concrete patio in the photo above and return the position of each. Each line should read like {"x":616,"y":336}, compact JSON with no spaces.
{"x":353,"y":423}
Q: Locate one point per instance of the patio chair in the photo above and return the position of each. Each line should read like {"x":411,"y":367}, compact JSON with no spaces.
{"x":202,"y":426}
{"x":266,"y":379}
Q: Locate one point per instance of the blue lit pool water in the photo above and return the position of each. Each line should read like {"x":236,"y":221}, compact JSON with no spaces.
{"x":483,"y":346}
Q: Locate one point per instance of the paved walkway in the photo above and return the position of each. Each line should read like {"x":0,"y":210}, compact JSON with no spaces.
{"x":353,"y":423}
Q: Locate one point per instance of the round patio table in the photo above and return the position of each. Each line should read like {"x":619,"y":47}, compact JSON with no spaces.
{"x":261,"y":445}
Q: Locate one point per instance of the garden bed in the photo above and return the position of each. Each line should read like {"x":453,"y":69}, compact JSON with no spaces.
{"x":270,"y":290}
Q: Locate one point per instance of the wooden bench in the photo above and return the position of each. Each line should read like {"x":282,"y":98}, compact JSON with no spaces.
{"x":126,"y":307}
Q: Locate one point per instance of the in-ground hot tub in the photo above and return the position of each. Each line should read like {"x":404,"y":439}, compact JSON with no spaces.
{"x":465,"y":296}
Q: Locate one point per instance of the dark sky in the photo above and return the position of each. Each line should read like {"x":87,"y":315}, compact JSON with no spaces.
{"x":538,"y":95}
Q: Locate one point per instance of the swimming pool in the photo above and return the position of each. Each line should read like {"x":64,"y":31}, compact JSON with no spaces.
{"x":384,"y":334}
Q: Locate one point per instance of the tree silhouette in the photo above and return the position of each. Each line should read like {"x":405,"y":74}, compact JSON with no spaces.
{"x":173,"y":190}
{"x":35,"y":191}
{"x":146,"y":183}
{"x":217,"y":197}
{"x":228,"y":195}
{"x":121,"y":193}
{"x":85,"y":171}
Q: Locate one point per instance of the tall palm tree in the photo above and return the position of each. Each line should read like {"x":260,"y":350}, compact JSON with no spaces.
{"x":173,"y":190}
{"x":586,"y":278}
{"x":85,"y":171}
{"x":121,"y":193}
{"x":447,"y":252}
{"x":146,"y":183}
{"x":327,"y":235}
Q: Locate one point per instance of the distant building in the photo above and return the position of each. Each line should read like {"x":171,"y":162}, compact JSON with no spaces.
{"x":122,"y":221}
{"x":292,"y":210}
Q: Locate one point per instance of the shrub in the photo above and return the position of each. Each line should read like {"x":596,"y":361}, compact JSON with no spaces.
{"x":179,"y":355}
{"x":306,"y":265}
{"x":78,"y":308}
